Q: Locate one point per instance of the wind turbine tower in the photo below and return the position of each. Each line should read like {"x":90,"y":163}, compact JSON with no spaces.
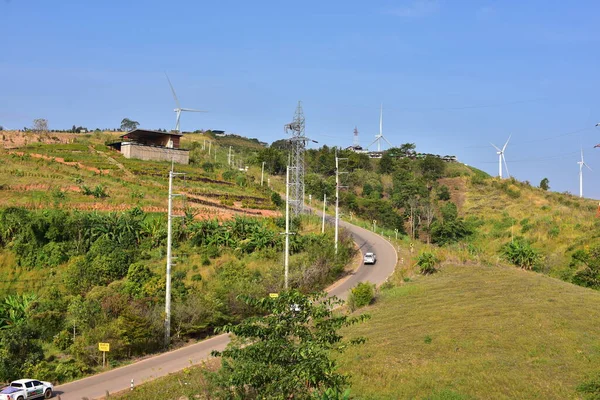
{"x":380,"y":137}
{"x":581,"y":164}
{"x":501,"y":158}
{"x":298,"y":143}
{"x":179,"y":109}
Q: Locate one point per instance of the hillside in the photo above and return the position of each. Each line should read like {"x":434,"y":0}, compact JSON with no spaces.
{"x":477,"y":333}
{"x":61,"y":170}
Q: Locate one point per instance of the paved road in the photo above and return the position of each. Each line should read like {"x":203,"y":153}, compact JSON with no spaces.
{"x":119,"y":379}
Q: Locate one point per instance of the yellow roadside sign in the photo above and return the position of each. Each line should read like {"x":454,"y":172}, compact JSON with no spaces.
{"x":104,"y":346}
{"x":273,"y":295}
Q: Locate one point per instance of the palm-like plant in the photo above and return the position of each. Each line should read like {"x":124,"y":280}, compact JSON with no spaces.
{"x":14,"y":308}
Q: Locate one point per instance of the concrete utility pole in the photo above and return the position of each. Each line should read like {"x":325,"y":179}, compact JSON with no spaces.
{"x":324,"y":205}
{"x":262,"y":174}
{"x":287,"y":227}
{"x":337,"y":200}
{"x":169,"y":257}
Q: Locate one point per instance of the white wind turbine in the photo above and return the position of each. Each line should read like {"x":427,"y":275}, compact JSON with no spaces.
{"x":501,"y":158}
{"x":380,"y":136}
{"x":581,"y":164}
{"x":179,"y":109}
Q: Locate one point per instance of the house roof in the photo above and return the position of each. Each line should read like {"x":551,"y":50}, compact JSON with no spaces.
{"x":138,"y":133}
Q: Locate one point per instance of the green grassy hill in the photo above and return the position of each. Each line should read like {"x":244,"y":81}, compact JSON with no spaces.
{"x":477,"y":332}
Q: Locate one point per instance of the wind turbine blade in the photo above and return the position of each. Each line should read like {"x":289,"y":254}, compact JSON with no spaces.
{"x":505,"y":144}
{"x":496,"y":147}
{"x":387,"y":141}
{"x":505,"y":165}
{"x":381,"y":120}
{"x":588,"y":167}
{"x":374,"y":141}
{"x":192,"y":110}
{"x":173,"y":90}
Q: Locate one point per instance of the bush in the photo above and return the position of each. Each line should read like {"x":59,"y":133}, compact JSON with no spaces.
{"x":444,"y":193}
{"x":362,"y":295}
{"x":276,"y":199}
{"x":63,"y":340}
{"x":520,"y":253}
{"x":427,"y":262}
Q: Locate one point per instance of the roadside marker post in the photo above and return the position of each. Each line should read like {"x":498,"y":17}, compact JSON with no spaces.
{"x":131,"y":387}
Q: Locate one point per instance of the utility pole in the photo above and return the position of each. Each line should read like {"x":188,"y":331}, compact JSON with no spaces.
{"x":324,"y":205}
{"x":287,"y":227}
{"x":169,"y":257}
{"x":262,"y":174}
{"x":337,"y":199}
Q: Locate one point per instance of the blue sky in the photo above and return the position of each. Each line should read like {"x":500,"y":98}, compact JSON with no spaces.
{"x":452,"y":75}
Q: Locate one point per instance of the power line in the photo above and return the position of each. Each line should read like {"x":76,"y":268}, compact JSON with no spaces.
{"x":558,"y":156}
{"x":538,"y":140}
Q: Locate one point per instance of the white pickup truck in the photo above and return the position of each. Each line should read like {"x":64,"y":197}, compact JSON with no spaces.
{"x":25,"y":389}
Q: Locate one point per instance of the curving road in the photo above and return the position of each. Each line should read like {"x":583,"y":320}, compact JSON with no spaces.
{"x":151,"y":368}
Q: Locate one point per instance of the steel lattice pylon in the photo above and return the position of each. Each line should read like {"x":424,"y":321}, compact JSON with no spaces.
{"x":297,"y":145}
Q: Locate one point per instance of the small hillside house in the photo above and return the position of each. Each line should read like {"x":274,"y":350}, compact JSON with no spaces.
{"x":144,"y":144}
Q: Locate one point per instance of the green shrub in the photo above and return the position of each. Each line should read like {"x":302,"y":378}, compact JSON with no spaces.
{"x":362,"y":295}
{"x":444,"y":193}
{"x":276,"y":199}
{"x":520,"y":253}
{"x":196,"y":277}
{"x":63,"y":340}
{"x":427,"y":262}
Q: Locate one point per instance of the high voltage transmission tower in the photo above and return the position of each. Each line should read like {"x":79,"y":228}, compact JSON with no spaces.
{"x":298,"y":143}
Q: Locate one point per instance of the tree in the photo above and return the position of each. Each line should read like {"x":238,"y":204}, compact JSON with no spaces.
{"x":1,"y":128}
{"x":589,"y":275}
{"x":545,"y":184}
{"x":450,"y":228}
{"x":285,"y":353}
{"x":129,"y":125}
{"x":40,"y":125}
{"x":386,"y":163}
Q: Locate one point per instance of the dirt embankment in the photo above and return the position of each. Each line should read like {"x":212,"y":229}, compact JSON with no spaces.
{"x":16,"y":139}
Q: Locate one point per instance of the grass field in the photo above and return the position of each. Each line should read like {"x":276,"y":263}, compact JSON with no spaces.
{"x":477,"y":333}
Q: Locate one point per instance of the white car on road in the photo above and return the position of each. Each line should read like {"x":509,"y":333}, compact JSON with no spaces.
{"x":27,"y":389}
{"x":370,"y":258}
